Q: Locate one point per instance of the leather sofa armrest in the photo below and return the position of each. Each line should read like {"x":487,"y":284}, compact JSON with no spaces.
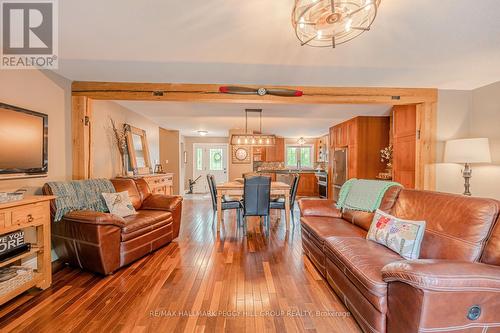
{"x":162,"y":202}
{"x":322,"y":207}
{"x":441,"y":295}
{"x":93,"y":217}
{"x":444,"y":275}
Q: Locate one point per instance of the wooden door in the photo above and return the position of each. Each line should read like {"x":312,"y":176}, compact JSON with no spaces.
{"x":352,"y":131}
{"x":352,"y":162}
{"x":404,"y":144}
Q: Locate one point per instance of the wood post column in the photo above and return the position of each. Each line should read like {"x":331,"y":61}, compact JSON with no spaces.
{"x":82,"y":137}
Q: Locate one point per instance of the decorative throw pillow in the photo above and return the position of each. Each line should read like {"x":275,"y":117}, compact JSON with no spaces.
{"x":119,"y":203}
{"x":401,"y":236}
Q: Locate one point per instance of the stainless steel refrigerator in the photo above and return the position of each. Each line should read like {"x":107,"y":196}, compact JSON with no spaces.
{"x":339,"y":171}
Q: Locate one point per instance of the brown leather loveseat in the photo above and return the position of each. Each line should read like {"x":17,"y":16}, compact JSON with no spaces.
{"x":454,"y":286}
{"x":103,"y":242}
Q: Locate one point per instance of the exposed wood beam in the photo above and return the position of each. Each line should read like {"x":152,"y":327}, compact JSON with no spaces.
{"x":82,"y":137}
{"x":210,"y":93}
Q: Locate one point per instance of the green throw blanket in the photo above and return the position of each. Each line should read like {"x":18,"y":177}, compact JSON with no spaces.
{"x":362,"y":194}
{"x":80,"y":195}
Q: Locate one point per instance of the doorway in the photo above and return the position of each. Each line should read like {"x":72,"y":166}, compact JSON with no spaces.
{"x":209,"y":159}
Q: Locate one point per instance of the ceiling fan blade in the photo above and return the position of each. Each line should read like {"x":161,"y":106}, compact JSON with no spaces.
{"x":237,"y":90}
{"x":285,"y":92}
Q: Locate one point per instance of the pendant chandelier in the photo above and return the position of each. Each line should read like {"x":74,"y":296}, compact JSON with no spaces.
{"x":328,"y":23}
{"x":256,"y":139}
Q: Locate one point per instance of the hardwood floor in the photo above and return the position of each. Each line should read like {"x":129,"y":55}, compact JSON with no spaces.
{"x":236,"y":281}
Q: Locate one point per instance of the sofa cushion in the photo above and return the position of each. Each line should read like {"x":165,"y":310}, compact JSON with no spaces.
{"x":362,"y":261}
{"x":401,"y":236}
{"x":144,"y":221}
{"x":364,"y":219}
{"x":323,"y":227}
{"x":129,"y":185}
{"x":457,"y":227}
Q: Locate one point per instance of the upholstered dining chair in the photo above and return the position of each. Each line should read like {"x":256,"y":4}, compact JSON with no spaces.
{"x":257,"y":197}
{"x":227,"y":203}
{"x":279,"y":203}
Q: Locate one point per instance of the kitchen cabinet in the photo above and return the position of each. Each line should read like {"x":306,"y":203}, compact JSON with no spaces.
{"x":404,"y":131}
{"x":321,"y":149}
{"x":275,"y":153}
{"x":308,"y":185}
{"x":259,"y":154}
{"x":363,"y":137}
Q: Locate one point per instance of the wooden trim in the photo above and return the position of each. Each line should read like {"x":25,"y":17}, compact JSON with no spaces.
{"x":210,"y":93}
{"x":424,"y":98}
{"x":82,"y":137}
{"x":425,"y":159}
{"x":145,"y":148}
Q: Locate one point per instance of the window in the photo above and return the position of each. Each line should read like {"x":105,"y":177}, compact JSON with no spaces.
{"x":299,"y":156}
{"x":199,"y":159}
{"x":216,"y":159}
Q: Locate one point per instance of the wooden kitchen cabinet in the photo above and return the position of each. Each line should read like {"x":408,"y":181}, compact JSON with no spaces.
{"x":404,"y":128}
{"x":363,"y":137}
{"x":308,"y":185}
{"x":259,"y":154}
{"x":275,"y":153}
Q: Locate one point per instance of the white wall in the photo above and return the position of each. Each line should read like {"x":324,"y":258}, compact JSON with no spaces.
{"x":485,"y":122}
{"x":106,"y":156}
{"x":469,"y":114}
{"x":45,"y":92}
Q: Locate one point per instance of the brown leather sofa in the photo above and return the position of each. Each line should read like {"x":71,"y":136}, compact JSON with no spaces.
{"x":454,"y":286}
{"x":103,"y":242}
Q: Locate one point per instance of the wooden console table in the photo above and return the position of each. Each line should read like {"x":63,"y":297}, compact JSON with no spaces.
{"x":29,"y":213}
{"x":159,"y":183}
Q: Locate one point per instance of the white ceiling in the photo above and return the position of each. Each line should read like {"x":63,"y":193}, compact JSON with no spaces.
{"x":286,"y":120}
{"x":448,"y":44}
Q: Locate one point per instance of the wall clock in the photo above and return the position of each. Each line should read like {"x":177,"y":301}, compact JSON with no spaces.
{"x":241,"y":155}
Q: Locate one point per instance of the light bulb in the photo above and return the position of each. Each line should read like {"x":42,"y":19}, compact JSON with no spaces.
{"x":246,"y":140}
{"x":348,"y":25}
{"x":239,"y":140}
{"x":267,"y":141}
{"x":253,"y":141}
{"x":301,"y":23}
{"x":260,"y":140}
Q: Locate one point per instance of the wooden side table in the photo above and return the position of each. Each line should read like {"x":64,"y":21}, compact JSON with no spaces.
{"x":29,"y":213}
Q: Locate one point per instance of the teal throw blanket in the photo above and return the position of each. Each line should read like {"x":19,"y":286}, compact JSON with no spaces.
{"x":80,"y":195}
{"x":362,"y":194}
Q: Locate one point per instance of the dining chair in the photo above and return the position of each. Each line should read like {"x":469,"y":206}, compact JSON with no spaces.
{"x":279,"y":203}
{"x":257,"y":197}
{"x":227,"y":203}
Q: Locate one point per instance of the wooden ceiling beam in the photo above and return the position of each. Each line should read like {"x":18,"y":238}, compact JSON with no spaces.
{"x":209,"y":93}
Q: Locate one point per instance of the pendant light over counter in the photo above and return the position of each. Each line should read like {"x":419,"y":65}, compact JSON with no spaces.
{"x":253,"y":139}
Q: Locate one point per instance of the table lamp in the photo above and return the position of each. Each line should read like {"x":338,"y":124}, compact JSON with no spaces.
{"x":467,"y":151}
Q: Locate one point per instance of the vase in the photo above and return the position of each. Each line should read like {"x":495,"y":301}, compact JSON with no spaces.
{"x":124,"y":166}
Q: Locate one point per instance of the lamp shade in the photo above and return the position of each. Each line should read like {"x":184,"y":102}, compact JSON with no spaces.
{"x":468,"y":151}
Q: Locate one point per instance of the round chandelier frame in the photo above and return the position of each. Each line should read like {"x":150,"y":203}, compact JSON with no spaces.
{"x":328,"y":23}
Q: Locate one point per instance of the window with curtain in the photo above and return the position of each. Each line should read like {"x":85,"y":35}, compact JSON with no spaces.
{"x":299,"y":156}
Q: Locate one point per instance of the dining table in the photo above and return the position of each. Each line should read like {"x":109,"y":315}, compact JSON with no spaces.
{"x":235,"y":188}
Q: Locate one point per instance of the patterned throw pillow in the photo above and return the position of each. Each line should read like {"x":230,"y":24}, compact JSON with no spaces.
{"x":401,"y":236}
{"x":119,"y":204}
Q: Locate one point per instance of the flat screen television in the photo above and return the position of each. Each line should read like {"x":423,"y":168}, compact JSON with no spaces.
{"x":23,"y":141}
